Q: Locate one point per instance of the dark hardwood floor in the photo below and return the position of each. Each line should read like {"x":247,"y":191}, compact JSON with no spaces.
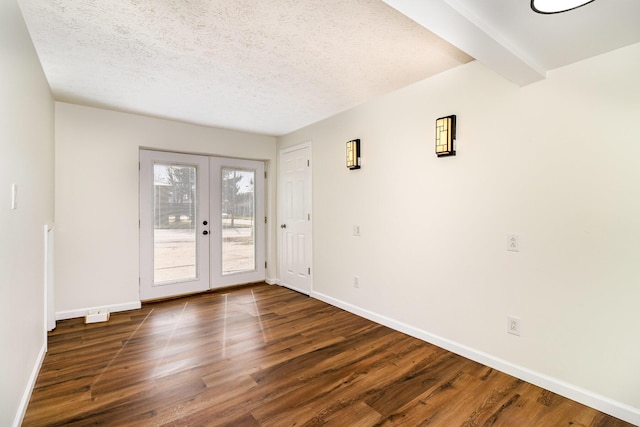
{"x":266,"y":356}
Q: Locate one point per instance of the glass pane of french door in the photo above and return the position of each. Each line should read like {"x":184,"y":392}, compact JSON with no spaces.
{"x":174,"y":224}
{"x":237,"y":207}
{"x":238,"y":220}
{"x":175,"y":218}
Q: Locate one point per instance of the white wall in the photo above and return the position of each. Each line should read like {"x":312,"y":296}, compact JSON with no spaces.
{"x":97,"y":196}
{"x":26,"y":159}
{"x":556,"y":162}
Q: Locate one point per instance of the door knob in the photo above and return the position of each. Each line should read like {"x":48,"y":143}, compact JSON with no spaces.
{"x":205,"y":222}
{"x":283,"y":225}
{"x":205,"y":232}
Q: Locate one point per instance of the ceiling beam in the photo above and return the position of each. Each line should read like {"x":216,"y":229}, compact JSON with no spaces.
{"x":450,"y":21}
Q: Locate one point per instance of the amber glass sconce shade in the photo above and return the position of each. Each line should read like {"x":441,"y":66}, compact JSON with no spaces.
{"x":445,"y":136}
{"x":353,"y":154}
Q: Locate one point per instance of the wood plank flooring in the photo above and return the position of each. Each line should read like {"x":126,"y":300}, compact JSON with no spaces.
{"x":266,"y":356}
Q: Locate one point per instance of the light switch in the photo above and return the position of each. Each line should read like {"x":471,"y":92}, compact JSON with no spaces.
{"x":14,"y":196}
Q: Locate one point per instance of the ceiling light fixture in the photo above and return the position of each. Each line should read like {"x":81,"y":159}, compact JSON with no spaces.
{"x":556,"y":6}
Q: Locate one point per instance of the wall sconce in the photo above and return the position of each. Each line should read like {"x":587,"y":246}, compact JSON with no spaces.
{"x":353,"y":154}
{"x":446,"y":136}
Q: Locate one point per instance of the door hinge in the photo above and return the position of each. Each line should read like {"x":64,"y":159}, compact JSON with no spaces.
{"x":139,"y":224}
{"x":139,"y":166}
{"x":265,"y":264}
{"x":265,"y":174}
{"x":308,"y":217}
{"x":308,"y":163}
{"x":309,"y":270}
{"x":265,"y":219}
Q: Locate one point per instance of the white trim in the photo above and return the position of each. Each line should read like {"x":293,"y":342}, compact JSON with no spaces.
{"x":112,"y":308}
{"x":49,"y":285}
{"x":302,"y":145}
{"x":601,"y":403}
{"x":26,"y":396}
{"x":271,"y":281}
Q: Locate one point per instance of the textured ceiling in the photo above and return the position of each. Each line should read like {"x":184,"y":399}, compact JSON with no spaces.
{"x":269,"y":67}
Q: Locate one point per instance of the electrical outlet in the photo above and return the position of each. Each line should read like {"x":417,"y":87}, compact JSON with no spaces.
{"x":513,"y":325}
{"x":356,"y":282}
{"x":513,"y":243}
{"x":356,"y":230}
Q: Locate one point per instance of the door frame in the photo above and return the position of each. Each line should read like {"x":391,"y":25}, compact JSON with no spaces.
{"x":280,"y":203}
{"x":148,"y":289}
{"x":147,"y":157}
{"x":217,"y":279}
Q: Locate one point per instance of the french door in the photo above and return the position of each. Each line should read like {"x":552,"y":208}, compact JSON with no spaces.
{"x":237,"y":214}
{"x":201,"y":223}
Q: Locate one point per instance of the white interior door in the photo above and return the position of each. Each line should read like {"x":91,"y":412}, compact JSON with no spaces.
{"x":295,"y":218}
{"x":174,"y":224}
{"x":238,"y":244}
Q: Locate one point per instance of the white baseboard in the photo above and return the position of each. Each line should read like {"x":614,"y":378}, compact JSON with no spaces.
{"x":26,"y":395}
{"x":601,"y":403}
{"x":271,"y":281}
{"x":81,"y":312}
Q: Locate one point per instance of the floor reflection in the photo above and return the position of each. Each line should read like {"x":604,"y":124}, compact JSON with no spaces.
{"x":160,"y":371}
{"x":236,"y":326}
{"x":115,"y":356}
